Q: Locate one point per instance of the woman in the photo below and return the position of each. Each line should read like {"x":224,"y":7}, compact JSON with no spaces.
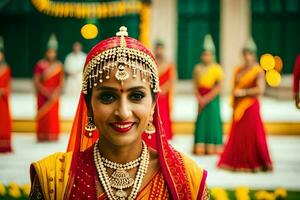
{"x":167,"y":77}
{"x":296,"y":81}
{"x":107,"y":157}
{"x":207,"y":84}
{"x":246,"y":148}
{"x":48,"y":81}
{"x":5,"y":125}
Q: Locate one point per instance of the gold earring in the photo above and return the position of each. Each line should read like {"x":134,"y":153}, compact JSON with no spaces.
{"x":150,"y":129}
{"x":90,"y":127}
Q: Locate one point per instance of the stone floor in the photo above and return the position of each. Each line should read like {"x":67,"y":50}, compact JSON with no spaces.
{"x":284,"y":151}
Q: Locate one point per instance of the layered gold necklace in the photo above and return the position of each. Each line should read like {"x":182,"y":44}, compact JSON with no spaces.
{"x":120,"y":179}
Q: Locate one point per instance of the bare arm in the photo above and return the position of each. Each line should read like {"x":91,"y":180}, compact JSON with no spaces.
{"x":196,"y":74}
{"x":38,"y":86}
{"x":213,"y":93}
{"x":258,"y":90}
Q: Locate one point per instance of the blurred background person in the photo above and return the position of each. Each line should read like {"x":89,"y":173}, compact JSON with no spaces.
{"x":167,"y":78}
{"x":5,"y":118}
{"x":73,"y":66}
{"x":297,"y":81}
{"x":207,"y":85}
{"x":48,"y":81}
{"x":246,"y":148}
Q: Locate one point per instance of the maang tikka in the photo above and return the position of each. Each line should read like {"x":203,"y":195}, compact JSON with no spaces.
{"x":122,"y":74}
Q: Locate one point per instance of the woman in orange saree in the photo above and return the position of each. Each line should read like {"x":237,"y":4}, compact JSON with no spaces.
{"x":5,"y":117}
{"x":246,"y":148}
{"x":110,"y":154}
{"x":167,"y":77}
{"x":48,"y":79}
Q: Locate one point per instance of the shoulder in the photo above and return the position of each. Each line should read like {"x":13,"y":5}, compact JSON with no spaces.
{"x":52,"y":173}
{"x":195,"y":175}
{"x":197,"y":68}
{"x":192,"y":168}
{"x":50,"y":163}
{"x":258,"y":69}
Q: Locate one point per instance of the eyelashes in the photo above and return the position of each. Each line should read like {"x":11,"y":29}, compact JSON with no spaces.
{"x":110,"y":97}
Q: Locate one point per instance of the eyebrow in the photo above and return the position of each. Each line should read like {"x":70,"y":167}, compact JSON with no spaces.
{"x":116,"y":89}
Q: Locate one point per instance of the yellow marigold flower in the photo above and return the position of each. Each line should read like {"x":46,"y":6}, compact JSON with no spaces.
{"x":13,"y":185}
{"x":219,"y":193}
{"x":280,"y":192}
{"x":261,"y":195}
{"x":2,"y":189}
{"x":14,"y":192}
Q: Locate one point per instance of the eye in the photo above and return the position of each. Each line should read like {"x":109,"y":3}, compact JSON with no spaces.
{"x":137,"y":96}
{"x":107,"y":98}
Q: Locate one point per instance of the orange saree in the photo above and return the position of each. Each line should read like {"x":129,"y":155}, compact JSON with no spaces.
{"x":48,"y":107}
{"x":5,"y":117}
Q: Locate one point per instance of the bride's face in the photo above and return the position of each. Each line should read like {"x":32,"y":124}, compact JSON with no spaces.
{"x":121,"y":111}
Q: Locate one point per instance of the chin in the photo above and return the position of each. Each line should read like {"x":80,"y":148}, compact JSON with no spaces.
{"x":123,"y":139}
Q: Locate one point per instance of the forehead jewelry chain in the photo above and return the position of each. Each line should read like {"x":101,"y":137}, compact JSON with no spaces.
{"x":120,"y":179}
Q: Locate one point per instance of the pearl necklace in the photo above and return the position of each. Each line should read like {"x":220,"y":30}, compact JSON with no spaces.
{"x":120,"y":179}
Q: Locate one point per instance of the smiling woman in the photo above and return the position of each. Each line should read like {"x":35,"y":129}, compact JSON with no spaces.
{"x":117,"y":148}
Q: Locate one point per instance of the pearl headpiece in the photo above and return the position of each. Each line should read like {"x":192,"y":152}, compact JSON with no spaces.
{"x":120,"y":57}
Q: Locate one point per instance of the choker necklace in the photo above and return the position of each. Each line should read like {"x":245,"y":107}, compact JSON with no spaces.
{"x":120,"y":178}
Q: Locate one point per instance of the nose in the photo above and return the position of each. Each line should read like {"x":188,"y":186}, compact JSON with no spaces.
{"x":123,"y":110}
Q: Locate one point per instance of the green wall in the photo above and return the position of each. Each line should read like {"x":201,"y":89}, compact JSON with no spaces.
{"x":276,"y":29}
{"x":196,"y":18}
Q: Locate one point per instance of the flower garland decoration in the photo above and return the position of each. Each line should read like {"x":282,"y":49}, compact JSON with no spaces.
{"x":82,"y":10}
{"x":101,"y":11}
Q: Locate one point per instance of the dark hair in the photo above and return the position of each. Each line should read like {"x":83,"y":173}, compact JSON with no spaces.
{"x":159,"y":44}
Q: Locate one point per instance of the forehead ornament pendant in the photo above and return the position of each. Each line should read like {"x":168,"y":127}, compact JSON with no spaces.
{"x":121,"y":74}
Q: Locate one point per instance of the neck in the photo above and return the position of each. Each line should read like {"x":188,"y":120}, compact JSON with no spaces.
{"x":120,"y":154}
{"x":207,"y":64}
{"x":160,"y":59}
{"x":249,"y":64}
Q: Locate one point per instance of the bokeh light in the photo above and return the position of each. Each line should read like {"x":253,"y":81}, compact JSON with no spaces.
{"x":89,"y":31}
{"x":267,"y":61}
{"x":273,"y":78}
{"x":278,"y":63}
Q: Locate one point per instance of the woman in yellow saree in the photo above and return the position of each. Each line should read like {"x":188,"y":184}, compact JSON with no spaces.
{"x":117,"y":147}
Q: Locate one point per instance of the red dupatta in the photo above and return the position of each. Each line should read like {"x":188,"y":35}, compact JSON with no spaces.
{"x":170,"y":160}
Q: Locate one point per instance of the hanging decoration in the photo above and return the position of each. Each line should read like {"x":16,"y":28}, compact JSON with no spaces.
{"x":82,"y":10}
{"x":99,"y":10}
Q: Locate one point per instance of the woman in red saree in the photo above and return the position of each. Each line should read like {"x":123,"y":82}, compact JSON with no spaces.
{"x":296,"y":81}
{"x":48,"y":80}
{"x":5,"y":117}
{"x":110,"y":154}
{"x":167,"y":77}
{"x":246,"y":148}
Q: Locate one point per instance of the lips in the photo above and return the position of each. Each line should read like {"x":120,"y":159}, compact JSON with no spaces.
{"x":122,"y":127}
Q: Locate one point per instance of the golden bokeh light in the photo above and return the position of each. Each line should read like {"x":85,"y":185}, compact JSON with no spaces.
{"x":278,"y":63}
{"x":273,"y":78}
{"x":267,"y":62}
{"x":89,"y":31}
